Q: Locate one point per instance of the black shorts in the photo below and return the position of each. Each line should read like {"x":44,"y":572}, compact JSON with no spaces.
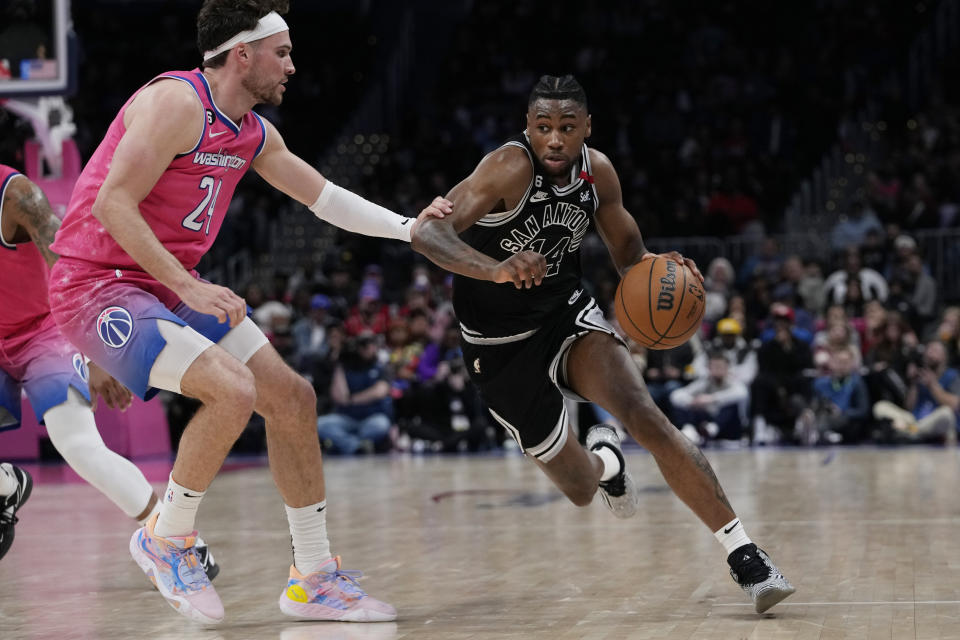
{"x":522,"y":377}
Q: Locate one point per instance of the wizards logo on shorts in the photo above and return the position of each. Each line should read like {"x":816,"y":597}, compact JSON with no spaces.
{"x":80,"y":366}
{"x":114,"y":326}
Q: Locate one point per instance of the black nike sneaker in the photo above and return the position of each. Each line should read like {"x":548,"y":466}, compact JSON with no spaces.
{"x":11,"y":503}
{"x":756,"y":574}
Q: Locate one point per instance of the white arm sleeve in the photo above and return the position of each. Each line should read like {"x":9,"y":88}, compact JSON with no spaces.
{"x":349,"y":211}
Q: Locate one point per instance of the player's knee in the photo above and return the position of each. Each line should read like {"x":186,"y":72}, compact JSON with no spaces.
{"x":241,"y":393}
{"x":303,"y":395}
{"x":294,"y":396}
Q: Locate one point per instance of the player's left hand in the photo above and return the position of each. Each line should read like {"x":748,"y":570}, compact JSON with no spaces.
{"x":439,"y":208}
{"x":687,"y":262}
{"x":104,"y":385}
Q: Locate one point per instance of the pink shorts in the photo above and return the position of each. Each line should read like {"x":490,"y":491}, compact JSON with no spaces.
{"x":44,"y":364}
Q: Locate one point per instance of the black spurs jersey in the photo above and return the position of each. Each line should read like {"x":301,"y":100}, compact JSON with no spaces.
{"x":550,"y":220}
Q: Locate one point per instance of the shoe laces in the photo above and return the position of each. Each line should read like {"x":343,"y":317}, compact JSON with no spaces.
{"x":8,"y":518}
{"x":345,"y":579}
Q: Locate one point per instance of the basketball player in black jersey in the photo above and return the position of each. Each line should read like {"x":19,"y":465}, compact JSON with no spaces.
{"x":531,"y":334}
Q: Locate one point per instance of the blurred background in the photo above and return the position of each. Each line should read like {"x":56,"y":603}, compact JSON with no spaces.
{"x":805,"y":153}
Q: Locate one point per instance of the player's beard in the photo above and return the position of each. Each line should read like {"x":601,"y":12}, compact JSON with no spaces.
{"x":263,"y":91}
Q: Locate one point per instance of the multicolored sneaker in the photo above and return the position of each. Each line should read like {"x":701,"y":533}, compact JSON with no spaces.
{"x":756,"y":574}
{"x":619,"y":493}
{"x":176,"y":571}
{"x":331,"y":593}
{"x":9,"y":504}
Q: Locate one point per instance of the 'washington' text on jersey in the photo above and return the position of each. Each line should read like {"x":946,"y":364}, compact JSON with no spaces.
{"x":218,"y":160}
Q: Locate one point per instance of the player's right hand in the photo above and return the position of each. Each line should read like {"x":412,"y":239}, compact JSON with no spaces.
{"x":215,"y":300}
{"x":104,"y":385}
{"x":524,"y":269}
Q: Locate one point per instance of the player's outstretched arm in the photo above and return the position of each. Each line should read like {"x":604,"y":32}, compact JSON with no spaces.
{"x":290,"y":174}
{"x":617,"y":228}
{"x":499,"y":181}
{"x":32,"y":216}
{"x":164,"y":120}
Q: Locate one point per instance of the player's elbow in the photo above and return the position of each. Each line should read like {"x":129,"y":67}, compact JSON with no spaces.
{"x":424,"y":235}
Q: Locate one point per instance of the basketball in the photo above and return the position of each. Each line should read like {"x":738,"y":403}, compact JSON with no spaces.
{"x":659,"y":303}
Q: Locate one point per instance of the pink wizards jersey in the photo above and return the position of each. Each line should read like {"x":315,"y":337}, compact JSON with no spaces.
{"x":186,"y":207}
{"x":23,"y":276}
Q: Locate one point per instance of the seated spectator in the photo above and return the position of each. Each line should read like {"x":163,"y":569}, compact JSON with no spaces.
{"x":841,"y":402}
{"x":835,"y":337}
{"x":810,"y":288}
{"x":920,"y":289}
{"x":870,"y":284}
{"x":887,"y":360}
{"x":370,"y":315}
{"x":712,"y":406}
{"x":450,"y":415}
{"x":310,"y":332}
{"x":852,"y":229}
{"x":932,"y":399}
{"x":766,"y":263}
{"x":718,"y":285}
{"x":319,"y":368}
{"x":741,"y":355}
{"x":780,"y":393}
{"x":363,"y":409}
{"x":872,"y":327}
{"x":781,"y":312}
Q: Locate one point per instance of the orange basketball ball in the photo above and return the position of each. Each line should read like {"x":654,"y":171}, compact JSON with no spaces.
{"x":659,"y":303}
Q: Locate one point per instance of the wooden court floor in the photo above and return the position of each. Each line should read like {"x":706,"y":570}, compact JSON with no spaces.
{"x":484,"y":547}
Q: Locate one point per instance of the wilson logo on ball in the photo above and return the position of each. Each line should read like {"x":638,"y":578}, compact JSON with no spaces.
{"x":114,"y":326}
{"x":668,"y":284}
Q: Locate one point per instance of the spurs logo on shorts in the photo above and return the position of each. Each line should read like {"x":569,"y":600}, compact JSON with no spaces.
{"x":80,"y":366}
{"x":114,"y":326}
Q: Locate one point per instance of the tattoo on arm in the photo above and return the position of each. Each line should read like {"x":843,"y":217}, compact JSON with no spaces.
{"x":439,"y":242}
{"x":38,"y":218}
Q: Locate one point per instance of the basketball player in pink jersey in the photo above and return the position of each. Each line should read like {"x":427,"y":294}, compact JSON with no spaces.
{"x":147,"y":206}
{"x":35,"y":356}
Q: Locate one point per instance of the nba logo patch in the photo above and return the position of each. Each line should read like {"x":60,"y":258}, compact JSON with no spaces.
{"x":114,"y":326}
{"x":80,"y":367}
{"x":169,"y":495}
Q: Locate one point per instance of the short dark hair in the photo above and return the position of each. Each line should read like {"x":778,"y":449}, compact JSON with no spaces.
{"x":220,"y":20}
{"x":558,"y":88}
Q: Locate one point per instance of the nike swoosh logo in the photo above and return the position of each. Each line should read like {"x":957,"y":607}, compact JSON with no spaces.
{"x":732,"y":527}
{"x":214,"y":135}
{"x":406,"y":220}
{"x":191,"y":495}
{"x":319,"y":509}
{"x":536,"y":199}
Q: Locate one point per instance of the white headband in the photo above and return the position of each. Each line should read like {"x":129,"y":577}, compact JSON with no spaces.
{"x":267,"y":26}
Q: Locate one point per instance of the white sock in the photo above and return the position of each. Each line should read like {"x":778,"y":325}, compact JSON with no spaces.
{"x":156,"y":509}
{"x":732,"y":536}
{"x":178,"y":511}
{"x":73,"y":431}
{"x":611,"y":463}
{"x":308,"y":535}
{"x":8,"y":481}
